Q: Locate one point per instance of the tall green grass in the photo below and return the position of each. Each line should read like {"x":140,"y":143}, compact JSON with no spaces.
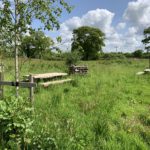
{"x":107,"y":109}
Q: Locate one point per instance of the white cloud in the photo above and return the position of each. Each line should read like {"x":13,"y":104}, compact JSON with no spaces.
{"x":136,"y":18}
{"x":113,"y":41}
{"x":100,"y":18}
{"x":138,"y":13}
{"x":121,"y":26}
{"x":132,"y":31}
{"x":126,"y":35}
{"x":125,"y":42}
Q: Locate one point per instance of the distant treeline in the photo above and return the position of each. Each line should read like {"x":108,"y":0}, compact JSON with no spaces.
{"x":135,"y":54}
{"x":49,"y":55}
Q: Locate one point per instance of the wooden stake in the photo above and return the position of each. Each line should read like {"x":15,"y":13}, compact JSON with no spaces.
{"x":31,"y":79}
{"x":1,"y":79}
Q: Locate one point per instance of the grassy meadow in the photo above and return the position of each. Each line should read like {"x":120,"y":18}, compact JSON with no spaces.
{"x":107,"y":109}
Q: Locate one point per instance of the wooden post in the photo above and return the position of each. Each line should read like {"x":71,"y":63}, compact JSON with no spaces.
{"x":31,"y":80}
{"x":1,"y":79}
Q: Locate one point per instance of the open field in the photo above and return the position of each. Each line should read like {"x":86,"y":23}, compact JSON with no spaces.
{"x":107,"y":109}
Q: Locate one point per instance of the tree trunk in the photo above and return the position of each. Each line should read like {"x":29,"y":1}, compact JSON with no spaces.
{"x":16,"y":48}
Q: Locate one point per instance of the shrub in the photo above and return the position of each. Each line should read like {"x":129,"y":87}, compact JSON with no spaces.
{"x":113,"y":56}
{"x":42,"y":140}
{"x":15,"y":123}
{"x":72,"y":58}
{"x":138,"y":53}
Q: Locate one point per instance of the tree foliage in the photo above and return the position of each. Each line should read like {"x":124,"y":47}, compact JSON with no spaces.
{"x":88,"y":41}
{"x":16,"y":17}
{"x":34,"y":45}
{"x":44,"y":10}
{"x":146,"y":40}
{"x":138,"y":53}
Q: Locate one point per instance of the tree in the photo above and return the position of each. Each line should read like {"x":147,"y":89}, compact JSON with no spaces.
{"x":138,"y":53}
{"x":88,"y":41}
{"x":16,"y":17}
{"x":146,"y":41}
{"x":35,"y":44}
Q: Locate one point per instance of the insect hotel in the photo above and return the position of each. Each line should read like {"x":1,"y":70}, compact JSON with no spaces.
{"x":73,"y":69}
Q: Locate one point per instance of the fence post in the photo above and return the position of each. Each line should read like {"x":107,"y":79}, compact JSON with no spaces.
{"x":31,"y":80}
{"x":1,"y":79}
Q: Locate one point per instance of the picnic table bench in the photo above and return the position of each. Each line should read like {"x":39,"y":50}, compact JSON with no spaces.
{"x":47,"y":76}
{"x":46,"y":84}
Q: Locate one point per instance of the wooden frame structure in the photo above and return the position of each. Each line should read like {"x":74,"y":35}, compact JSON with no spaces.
{"x":31,"y":81}
{"x":30,"y":85}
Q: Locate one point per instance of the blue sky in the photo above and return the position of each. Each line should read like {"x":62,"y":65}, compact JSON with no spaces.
{"x":83,"y":6}
{"x":122,"y":21}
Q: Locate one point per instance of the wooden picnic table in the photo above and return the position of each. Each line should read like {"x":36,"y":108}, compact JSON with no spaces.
{"x":47,"y":76}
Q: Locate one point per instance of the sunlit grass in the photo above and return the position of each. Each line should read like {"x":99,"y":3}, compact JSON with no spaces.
{"x":109,"y":108}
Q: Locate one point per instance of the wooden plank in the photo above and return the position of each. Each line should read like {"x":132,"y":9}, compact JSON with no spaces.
{"x":18,"y":84}
{"x":47,"y":75}
{"x":46,"y":84}
{"x":139,"y":73}
{"x":147,"y":70}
